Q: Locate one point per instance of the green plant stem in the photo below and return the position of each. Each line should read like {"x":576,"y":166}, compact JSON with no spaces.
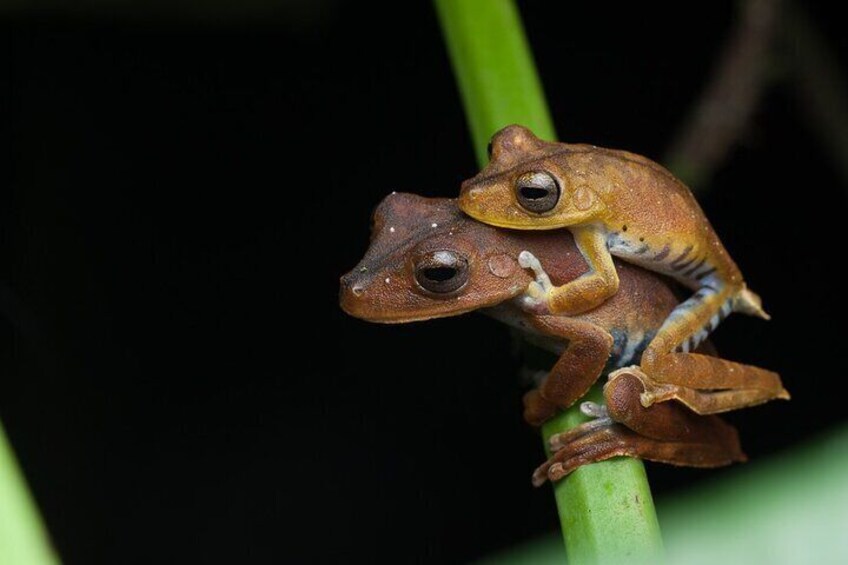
{"x":494,"y":68}
{"x":23,"y":538}
{"x":606,"y":510}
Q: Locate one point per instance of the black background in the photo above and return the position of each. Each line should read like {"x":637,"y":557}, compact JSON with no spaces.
{"x":177,"y":379}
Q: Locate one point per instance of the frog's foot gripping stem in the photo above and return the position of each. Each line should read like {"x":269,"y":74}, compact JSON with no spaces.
{"x":666,"y":433}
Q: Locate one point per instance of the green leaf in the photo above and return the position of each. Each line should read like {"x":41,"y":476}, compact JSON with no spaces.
{"x":23,"y":539}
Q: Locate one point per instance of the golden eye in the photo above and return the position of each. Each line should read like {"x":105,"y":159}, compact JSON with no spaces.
{"x":441,"y":272}
{"x":537,"y":192}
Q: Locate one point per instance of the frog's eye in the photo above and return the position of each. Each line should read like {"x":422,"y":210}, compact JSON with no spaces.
{"x":489,"y":150}
{"x":537,"y":192}
{"x":441,"y":272}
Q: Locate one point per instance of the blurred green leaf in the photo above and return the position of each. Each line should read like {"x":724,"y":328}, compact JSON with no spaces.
{"x":789,"y":510}
{"x":23,"y":539}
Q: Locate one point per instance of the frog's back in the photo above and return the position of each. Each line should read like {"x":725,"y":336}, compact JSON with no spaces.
{"x":641,"y":171}
{"x":653,"y":219}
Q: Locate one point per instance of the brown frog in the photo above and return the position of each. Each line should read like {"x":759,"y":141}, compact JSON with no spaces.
{"x":427,"y":260}
{"x":622,"y":205}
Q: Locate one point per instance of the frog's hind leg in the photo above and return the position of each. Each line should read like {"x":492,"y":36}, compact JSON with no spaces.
{"x":577,"y":369}
{"x":701,"y":401}
{"x":719,"y":385}
{"x":667,"y":433}
{"x":691,"y":322}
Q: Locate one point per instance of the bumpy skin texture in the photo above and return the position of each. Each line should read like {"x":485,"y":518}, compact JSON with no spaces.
{"x":620,"y":204}
{"x":415,"y":237}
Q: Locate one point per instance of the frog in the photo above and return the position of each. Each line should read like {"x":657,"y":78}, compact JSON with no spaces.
{"x":623,"y":205}
{"x":427,"y":260}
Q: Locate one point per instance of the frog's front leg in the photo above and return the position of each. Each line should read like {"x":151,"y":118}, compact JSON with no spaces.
{"x":594,"y":287}
{"x":582,"y":294}
{"x":577,"y":369}
{"x":666,"y":433}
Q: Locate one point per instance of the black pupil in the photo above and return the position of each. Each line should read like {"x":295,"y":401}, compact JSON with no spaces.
{"x":440,"y":274}
{"x":533,"y":192}
{"x":489,"y":150}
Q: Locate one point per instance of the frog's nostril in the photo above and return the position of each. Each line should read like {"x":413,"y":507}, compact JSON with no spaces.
{"x":353,"y":284}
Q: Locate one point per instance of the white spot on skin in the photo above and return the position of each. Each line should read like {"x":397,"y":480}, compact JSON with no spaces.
{"x":392,"y":229}
{"x":434,"y":225}
{"x":387,"y":280}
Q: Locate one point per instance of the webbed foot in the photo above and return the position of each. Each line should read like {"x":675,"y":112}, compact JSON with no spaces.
{"x":715,"y":396}
{"x":666,"y":433}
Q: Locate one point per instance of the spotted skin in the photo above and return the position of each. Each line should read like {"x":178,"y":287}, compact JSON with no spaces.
{"x":620,"y":204}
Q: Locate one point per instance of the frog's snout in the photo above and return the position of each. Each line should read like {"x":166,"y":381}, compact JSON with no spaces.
{"x":469,"y":191}
{"x":469,"y":199}
{"x":352,"y":286}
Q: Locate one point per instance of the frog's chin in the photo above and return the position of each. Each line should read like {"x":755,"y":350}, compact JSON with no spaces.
{"x":519,"y":223}
{"x":378,"y":317}
{"x":515,"y":220}
{"x":371,"y":309}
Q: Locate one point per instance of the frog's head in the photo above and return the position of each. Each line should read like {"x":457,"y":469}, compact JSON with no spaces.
{"x":428,"y":260}
{"x":529,"y":184}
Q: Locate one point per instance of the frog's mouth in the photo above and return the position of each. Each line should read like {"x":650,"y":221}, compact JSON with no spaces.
{"x":508,"y":215}
{"x":379,"y":316}
{"x":357,"y":302}
{"x":362,"y":299}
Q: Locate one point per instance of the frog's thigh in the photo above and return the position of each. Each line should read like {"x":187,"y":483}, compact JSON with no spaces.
{"x":704,"y":372}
